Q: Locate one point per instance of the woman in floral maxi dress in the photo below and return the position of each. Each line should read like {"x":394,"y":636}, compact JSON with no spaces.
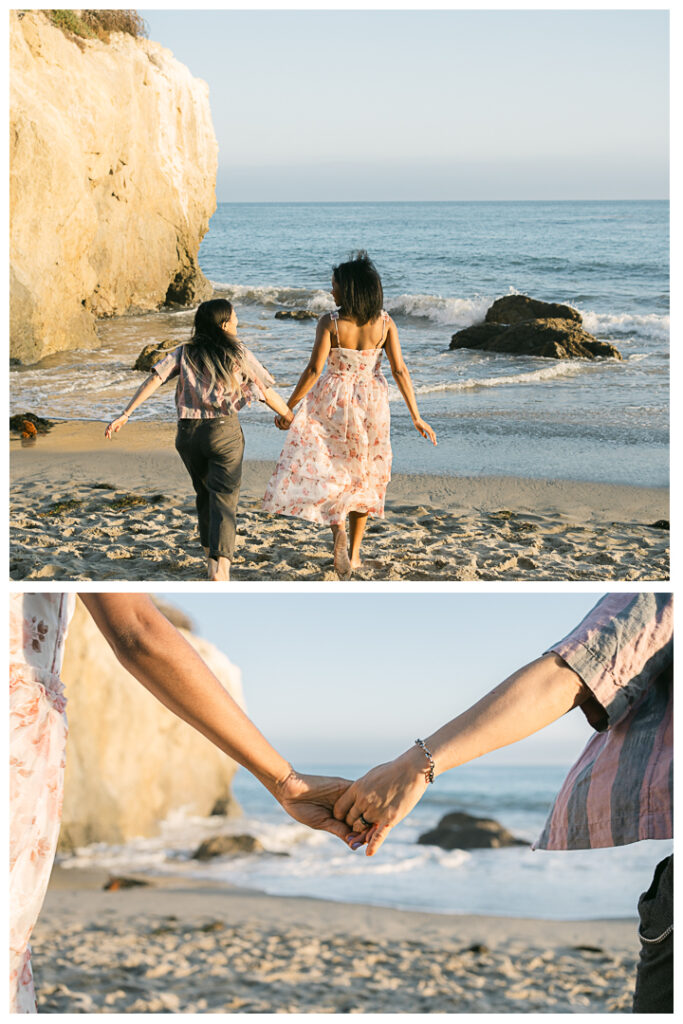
{"x":153,"y":651}
{"x":336,"y":461}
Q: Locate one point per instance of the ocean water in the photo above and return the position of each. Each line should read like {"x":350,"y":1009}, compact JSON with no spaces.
{"x":442,"y":264}
{"x":513,"y":881}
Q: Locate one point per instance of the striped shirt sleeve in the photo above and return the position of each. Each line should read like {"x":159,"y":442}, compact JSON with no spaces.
{"x":618,"y":650}
{"x":169,"y":366}
{"x":256,"y":378}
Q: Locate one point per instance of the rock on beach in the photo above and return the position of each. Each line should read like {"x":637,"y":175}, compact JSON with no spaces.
{"x":113,"y":163}
{"x":519,"y":325}
{"x":461,"y":831}
{"x":295,"y":314}
{"x":131,"y":761}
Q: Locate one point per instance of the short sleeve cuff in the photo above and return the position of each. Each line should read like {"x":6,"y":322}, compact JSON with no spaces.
{"x":168,"y":366}
{"x":618,"y":650}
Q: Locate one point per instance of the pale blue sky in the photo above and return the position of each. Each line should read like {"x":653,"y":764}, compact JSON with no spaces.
{"x":355,"y":678}
{"x":441,"y":105}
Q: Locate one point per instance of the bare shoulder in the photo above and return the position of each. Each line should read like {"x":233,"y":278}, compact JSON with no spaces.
{"x":325,"y":321}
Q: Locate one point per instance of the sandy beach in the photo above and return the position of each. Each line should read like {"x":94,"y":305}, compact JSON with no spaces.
{"x":184,"y":947}
{"x":83,"y":508}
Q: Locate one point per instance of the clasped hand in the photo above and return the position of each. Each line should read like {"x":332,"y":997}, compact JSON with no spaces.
{"x":361,"y":812}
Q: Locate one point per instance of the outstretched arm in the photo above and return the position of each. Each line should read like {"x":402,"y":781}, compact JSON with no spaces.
{"x":321,"y":350}
{"x":278,"y":405}
{"x":525,"y":702}
{"x":147,"y":388}
{"x":400,"y":374}
{"x":160,"y":658}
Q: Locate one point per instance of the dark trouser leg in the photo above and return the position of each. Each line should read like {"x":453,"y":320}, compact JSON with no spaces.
{"x":189,"y":447}
{"x":655,"y":979}
{"x":223,"y":479}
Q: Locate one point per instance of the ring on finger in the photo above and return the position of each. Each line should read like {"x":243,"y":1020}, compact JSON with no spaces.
{"x":364,"y":821}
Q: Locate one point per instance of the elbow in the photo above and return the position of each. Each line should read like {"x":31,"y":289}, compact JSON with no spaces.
{"x":132,"y":641}
{"x":400,"y":371}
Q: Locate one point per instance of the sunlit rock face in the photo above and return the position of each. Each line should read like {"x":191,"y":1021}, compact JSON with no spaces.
{"x":130,"y":762}
{"x":113,"y":171}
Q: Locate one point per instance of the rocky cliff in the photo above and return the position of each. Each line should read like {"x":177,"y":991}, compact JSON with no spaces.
{"x":129,"y":760}
{"x":113,"y":170}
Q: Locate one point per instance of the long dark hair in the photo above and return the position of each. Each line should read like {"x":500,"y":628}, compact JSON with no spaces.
{"x":360,"y":285}
{"x":211,"y":352}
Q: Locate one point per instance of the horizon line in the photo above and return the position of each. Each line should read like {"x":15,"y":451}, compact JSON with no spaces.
{"x":416,"y":202}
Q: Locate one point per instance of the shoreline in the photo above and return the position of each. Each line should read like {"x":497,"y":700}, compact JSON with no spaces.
{"x":86,"y":509}
{"x":191,"y":946}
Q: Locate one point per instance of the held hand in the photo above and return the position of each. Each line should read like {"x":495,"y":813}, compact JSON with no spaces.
{"x":423,"y":428}
{"x":310,"y":799}
{"x":115,"y":425}
{"x":383,"y":797}
{"x":283,"y":423}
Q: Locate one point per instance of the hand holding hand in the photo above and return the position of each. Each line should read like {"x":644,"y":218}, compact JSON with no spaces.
{"x":310,"y":799}
{"x":284,"y":423}
{"x":423,"y":428}
{"x":383,"y":797}
{"x":116,"y":425}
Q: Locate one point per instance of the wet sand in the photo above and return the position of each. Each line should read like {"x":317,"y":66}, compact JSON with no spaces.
{"x":183,"y":947}
{"x":83,"y":508}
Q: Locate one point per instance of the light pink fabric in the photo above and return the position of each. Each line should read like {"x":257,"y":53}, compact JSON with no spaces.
{"x":337,"y":456}
{"x":38,"y":729}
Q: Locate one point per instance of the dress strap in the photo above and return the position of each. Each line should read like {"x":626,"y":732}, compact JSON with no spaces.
{"x":334,"y":317}
{"x":385,"y":327}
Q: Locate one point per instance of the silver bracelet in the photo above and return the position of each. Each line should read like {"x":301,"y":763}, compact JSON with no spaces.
{"x":429,"y":771}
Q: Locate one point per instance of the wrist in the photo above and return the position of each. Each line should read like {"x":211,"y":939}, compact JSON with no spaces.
{"x":413,"y":764}
{"x":283,"y":785}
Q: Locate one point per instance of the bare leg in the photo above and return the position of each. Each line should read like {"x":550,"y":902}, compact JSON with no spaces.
{"x":341,"y":554}
{"x":219,"y":569}
{"x":357,"y":524}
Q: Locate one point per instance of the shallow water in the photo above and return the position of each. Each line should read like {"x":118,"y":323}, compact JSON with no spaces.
{"x":514,"y":881}
{"x":442,"y":265}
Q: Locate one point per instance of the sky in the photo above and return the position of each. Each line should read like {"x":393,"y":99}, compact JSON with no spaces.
{"x":324,"y":105}
{"x":355,"y":679}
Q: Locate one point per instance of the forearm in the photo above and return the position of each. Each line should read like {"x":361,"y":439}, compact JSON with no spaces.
{"x":276,"y":403}
{"x":160,"y":658}
{"x":304,"y":385}
{"x":525,"y":702}
{"x":147,"y":388}
{"x":405,"y":386}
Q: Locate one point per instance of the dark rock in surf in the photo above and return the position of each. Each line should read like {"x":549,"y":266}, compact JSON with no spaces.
{"x":221,"y":846}
{"x":151,"y":354}
{"x":550,"y":338}
{"x":461,"y":831}
{"x":117,"y":882}
{"x":477,"y":336}
{"x":512,"y":309}
{"x":40,"y":425}
{"x":295,"y":314}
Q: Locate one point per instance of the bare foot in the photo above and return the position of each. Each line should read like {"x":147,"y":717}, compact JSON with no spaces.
{"x":342,"y":564}
{"x":219,"y":569}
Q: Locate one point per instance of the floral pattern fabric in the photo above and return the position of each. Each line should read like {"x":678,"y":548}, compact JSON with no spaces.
{"x":337,"y":455}
{"x":38,"y":730}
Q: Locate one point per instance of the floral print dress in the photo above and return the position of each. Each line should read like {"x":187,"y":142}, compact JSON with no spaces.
{"x":38,"y":625}
{"x":337,"y":456}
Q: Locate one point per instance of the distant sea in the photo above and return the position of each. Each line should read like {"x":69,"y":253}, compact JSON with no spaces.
{"x":442,"y":265}
{"x":509,"y":882}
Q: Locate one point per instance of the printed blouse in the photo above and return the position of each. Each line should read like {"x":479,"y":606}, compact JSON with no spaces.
{"x":197,"y":399}
{"x":621,"y":788}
